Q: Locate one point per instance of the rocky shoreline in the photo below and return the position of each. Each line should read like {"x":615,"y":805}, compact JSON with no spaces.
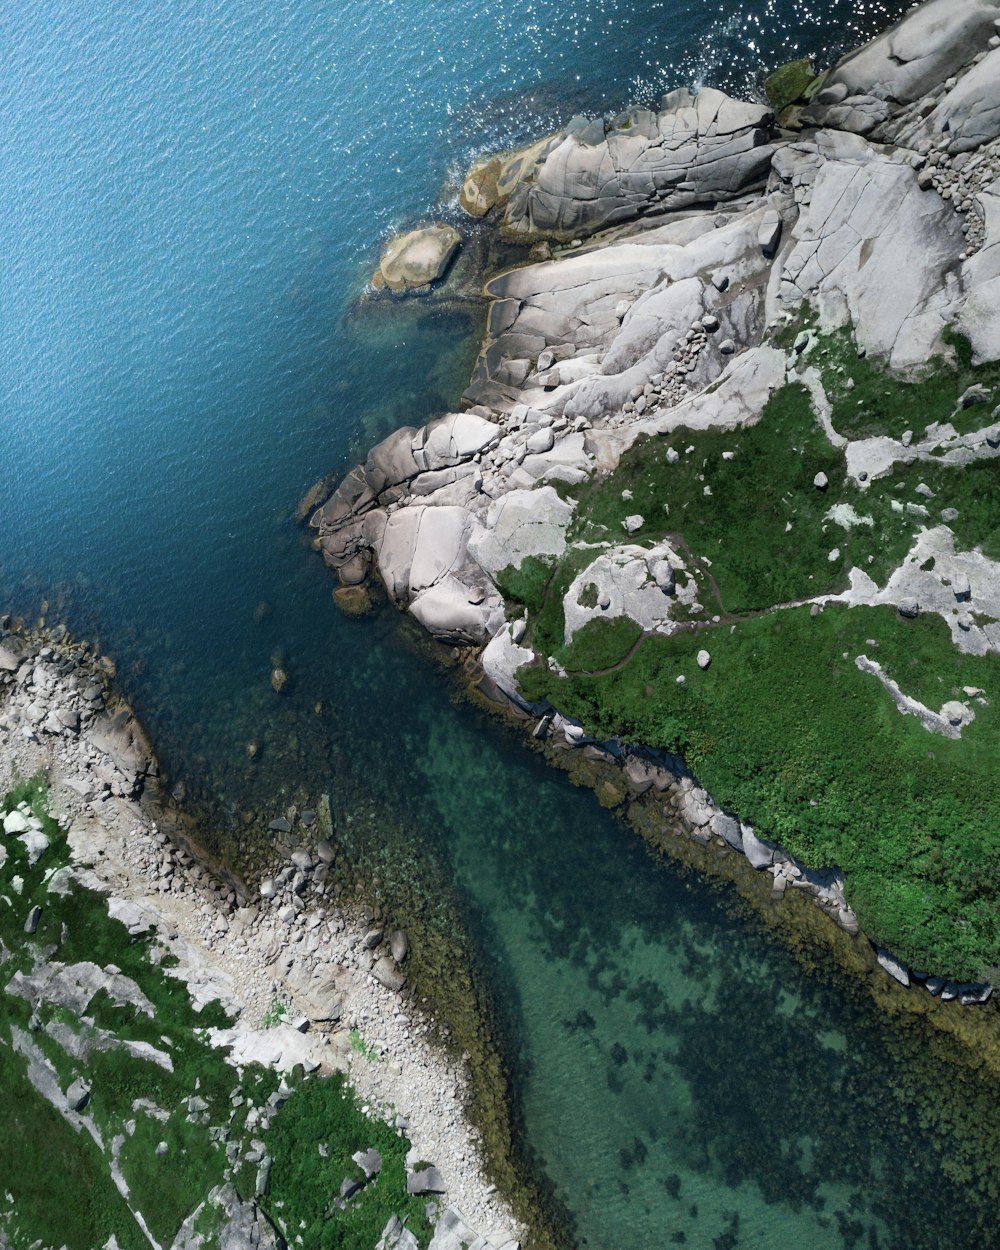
{"x":683,"y":235}
{"x":307,"y":978}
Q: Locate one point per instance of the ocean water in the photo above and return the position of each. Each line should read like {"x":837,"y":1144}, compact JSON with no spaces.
{"x":192,"y":197}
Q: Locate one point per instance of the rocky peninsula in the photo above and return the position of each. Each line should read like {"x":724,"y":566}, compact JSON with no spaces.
{"x":720,"y":505}
{"x":100,"y":889}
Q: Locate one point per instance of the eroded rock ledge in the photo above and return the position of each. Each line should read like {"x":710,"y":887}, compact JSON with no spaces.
{"x":878,"y":214}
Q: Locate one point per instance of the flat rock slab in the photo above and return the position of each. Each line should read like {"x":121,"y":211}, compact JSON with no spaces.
{"x":920,"y":52}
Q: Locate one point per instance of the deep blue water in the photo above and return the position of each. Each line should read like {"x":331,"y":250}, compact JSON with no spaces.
{"x":192,"y":196}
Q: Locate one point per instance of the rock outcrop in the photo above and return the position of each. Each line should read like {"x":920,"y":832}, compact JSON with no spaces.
{"x":880,"y":211}
{"x":697,"y":149}
{"x":415,"y":260}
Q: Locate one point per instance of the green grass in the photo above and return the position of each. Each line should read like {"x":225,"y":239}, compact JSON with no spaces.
{"x":973,"y":489}
{"x":303,"y":1182}
{"x":600,"y":643}
{"x":784,"y":729}
{"x":741,"y":525}
{"x":868,"y":400}
{"x":62,"y":1192}
{"x":525,"y":583}
{"x":361,"y":1047}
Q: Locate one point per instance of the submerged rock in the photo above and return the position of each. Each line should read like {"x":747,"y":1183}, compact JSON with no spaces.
{"x":353,"y":600}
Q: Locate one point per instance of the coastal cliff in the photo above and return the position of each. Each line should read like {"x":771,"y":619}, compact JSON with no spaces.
{"x":724,"y":484}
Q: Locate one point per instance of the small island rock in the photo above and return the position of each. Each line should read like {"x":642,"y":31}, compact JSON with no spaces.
{"x":418,"y":258}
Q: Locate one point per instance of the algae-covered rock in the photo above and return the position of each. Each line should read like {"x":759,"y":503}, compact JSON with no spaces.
{"x":788,"y":84}
{"x":479,"y":190}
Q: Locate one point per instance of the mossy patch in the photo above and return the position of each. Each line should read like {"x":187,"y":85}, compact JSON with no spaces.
{"x":325,"y":1113}
{"x":789,"y":83}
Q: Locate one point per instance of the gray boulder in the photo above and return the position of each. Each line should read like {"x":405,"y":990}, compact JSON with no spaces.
{"x":769,"y":232}
{"x":759,"y":852}
{"x":427,"y":1181}
{"x":387,"y":973}
{"x":350,"y":1186}
{"x":727,"y":828}
{"x":78,"y":1095}
{"x":12,"y":652}
{"x":541,"y":441}
{"x":895,"y":967}
{"x":15,"y":822}
{"x":122,"y":739}
{"x":369,"y":1161}
{"x":662,"y":572}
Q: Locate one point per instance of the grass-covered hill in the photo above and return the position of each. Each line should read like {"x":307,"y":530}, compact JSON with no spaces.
{"x":783,"y":727}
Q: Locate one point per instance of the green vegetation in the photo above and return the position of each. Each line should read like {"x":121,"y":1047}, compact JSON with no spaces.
{"x":171,"y":1100}
{"x":788,"y":83}
{"x":525,"y":584}
{"x":783,"y":728}
{"x":324,"y":1113}
{"x":868,"y":400}
{"x":361,"y":1047}
{"x":601,"y":643}
{"x":276,"y":1014}
{"x":740,"y":525}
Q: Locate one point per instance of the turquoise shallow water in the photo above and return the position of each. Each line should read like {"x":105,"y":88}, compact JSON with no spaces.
{"x":191,"y":197}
